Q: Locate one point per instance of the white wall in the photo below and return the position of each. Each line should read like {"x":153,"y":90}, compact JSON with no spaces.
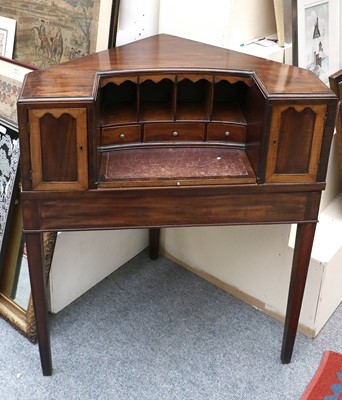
{"x":82,"y":259}
{"x":137,"y":20}
{"x":224,"y":23}
{"x":207,"y":23}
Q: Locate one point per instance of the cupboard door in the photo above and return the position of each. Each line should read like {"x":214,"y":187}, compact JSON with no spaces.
{"x":295,"y":143}
{"x":58,"y":146}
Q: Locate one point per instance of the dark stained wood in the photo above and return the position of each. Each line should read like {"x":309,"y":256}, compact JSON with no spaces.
{"x":301,"y":259}
{"x":154,"y":234}
{"x":226,"y":132}
{"x":34,"y":255}
{"x":171,"y":132}
{"x":161,"y":52}
{"x":58,"y":148}
{"x":120,"y":134}
{"x":326,"y":140}
{"x":58,"y":144}
{"x":295,"y":141}
{"x":166,"y":207}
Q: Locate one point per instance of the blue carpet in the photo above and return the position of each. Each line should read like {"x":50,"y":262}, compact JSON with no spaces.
{"x":154,"y":331}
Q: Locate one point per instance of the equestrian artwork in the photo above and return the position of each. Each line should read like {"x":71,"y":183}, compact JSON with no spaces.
{"x":53,"y":31}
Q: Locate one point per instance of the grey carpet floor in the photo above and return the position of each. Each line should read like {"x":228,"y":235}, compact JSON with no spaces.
{"x":154,"y":331}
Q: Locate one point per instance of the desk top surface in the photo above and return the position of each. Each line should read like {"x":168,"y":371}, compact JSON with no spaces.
{"x":77,"y":78}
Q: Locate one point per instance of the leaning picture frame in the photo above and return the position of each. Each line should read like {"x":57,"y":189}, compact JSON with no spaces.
{"x":317,"y":36}
{"x":12,"y":300}
{"x":12,"y":74}
{"x":7,"y":36}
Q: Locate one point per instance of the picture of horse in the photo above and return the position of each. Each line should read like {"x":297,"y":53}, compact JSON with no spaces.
{"x":53,"y":31}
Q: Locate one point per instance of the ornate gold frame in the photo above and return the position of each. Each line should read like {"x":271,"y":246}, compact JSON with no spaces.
{"x":24,"y":320}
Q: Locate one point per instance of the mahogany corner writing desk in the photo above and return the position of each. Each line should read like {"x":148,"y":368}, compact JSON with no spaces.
{"x":170,"y":132}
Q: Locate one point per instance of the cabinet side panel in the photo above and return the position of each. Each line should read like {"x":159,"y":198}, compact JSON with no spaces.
{"x":254,"y":109}
{"x":329,"y":128}
{"x":25,"y":160}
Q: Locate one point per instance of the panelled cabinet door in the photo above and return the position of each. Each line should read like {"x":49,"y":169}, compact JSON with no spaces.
{"x":295,"y":142}
{"x":58,"y":145}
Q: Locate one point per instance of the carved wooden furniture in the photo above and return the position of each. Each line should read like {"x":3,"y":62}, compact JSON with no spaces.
{"x":170,"y":132}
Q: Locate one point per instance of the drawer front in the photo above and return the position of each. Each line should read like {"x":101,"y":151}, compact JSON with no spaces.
{"x":226,"y":132}
{"x":121,"y":134}
{"x":173,"y":132}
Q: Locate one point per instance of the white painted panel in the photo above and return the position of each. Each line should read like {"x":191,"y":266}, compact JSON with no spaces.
{"x":137,"y":20}
{"x":82,"y":259}
{"x":224,"y":23}
{"x":191,"y":19}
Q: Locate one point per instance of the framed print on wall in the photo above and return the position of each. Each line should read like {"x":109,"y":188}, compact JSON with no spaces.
{"x":51,"y":32}
{"x":318,"y":36}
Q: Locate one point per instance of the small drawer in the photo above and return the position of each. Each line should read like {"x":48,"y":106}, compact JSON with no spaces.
{"x":173,"y":132}
{"x":121,"y":134}
{"x":226,"y":132}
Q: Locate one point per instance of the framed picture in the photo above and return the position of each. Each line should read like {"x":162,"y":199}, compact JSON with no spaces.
{"x":317,"y":31}
{"x":12,"y":74}
{"x":50,"y":32}
{"x":7,"y":35}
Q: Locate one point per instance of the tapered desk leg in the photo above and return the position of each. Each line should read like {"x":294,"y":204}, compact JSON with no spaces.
{"x":35,"y":262}
{"x":300,"y":265}
{"x":154,"y":243}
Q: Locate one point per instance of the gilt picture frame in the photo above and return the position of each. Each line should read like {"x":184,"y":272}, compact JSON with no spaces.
{"x":317,"y":36}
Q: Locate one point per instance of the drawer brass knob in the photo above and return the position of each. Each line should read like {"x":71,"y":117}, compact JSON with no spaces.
{"x":175,"y":133}
{"x":227,"y":133}
{"x":122,"y":136}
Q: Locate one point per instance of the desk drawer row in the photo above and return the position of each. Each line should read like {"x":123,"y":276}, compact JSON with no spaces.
{"x":169,"y":131}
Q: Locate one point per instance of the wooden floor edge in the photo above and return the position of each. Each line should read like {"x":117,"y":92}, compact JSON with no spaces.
{"x":252,"y":301}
